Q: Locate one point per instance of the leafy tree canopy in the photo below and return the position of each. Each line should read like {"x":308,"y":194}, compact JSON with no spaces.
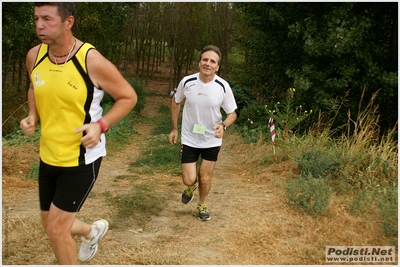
{"x":324,"y":50}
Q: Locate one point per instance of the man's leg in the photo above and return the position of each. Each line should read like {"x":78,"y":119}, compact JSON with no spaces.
{"x":58,"y":225}
{"x":189,"y":173}
{"x":189,"y":179}
{"x":80,"y":228}
{"x":205,"y":173}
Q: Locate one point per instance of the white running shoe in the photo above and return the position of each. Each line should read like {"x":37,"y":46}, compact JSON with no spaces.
{"x":89,"y":246}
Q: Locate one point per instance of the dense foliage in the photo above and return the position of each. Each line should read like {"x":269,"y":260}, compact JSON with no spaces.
{"x":329,"y":52}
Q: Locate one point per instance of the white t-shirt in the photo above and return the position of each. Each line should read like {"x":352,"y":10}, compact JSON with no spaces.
{"x":203,"y":107}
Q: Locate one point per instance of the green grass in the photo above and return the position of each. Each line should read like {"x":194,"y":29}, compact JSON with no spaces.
{"x":16,"y":137}
{"x":33,"y":171}
{"x":162,"y":123}
{"x":159,"y":157}
{"x":139,"y":205}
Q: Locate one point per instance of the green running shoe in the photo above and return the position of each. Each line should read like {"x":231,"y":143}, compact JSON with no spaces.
{"x":203,"y":212}
{"x":188,"y":193}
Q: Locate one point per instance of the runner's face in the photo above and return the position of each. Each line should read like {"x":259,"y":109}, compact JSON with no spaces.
{"x":209,"y":63}
{"x":48,"y":23}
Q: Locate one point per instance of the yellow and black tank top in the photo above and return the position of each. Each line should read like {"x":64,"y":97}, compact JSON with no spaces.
{"x":65,"y":100}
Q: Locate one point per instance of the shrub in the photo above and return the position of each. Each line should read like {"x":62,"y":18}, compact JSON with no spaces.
{"x":388,"y":209}
{"x":253,"y":135}
{"x":286,"y":114}
{"x":243,"y":96}
{"x":253,"y":121}
{"x":309,"y":194}
{"x":108,"y":101}
{"x":318,"y":163}
{"x":363,"y":204}
{"x":33,"y":173}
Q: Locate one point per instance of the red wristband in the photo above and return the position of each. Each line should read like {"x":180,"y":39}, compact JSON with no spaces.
{"x":104,"y":128}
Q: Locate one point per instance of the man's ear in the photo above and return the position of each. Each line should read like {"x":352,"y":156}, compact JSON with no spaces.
{"x":70,"y":22}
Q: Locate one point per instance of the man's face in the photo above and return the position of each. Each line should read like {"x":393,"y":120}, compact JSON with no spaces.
{"x":209,"y":63}
{"x":48,"y":23}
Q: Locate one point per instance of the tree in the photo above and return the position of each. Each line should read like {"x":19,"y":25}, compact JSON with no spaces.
{"x":18,"y":32}
{"x":324,"y":50}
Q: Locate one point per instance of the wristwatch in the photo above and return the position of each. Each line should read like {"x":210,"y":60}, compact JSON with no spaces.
{"x":223,"y":124}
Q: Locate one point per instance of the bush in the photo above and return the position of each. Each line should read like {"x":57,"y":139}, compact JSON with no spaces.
{"x":141,"y":101}
{"x":121,"y":131}
{"x":363,"y":204}
{"x":243,"y":96}
{"x":388,"y":208}
{"x":140,"y":94}
{"x":309,"y":194}
{"x":253,"y":135}
{"x":33,"y":173}
{"x":318,"y":163}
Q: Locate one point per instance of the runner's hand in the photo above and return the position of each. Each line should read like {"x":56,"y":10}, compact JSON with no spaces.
{"x":173,"y":137}
{"x":92,"y":136}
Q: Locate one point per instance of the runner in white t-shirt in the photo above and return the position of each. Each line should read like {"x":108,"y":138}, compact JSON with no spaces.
{"x":205,"y":93}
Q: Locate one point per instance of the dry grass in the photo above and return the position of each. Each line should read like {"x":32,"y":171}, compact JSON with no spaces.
{"x":373,"y":160}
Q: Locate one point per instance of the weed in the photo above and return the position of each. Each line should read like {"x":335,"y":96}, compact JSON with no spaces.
{"x":309,"y":194}
{"x":363,"y":204}
{"x":388,"y":209}
{"x":140,"y":204}
{"x":33,"y":172}
{"x":371,"y":159}
{"x":318,"y":163}
{"x":160,"y":156}
{"x":286,"y":114}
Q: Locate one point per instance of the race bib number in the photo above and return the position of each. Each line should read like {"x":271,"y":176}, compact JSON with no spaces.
{"x":199,"y":129}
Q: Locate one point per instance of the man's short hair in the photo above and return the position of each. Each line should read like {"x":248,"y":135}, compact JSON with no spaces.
{"x":212,"y":48}
{"x":65,"y":9}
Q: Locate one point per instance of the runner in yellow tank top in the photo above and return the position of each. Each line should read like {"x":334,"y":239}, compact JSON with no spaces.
{"x":68,"y":80}
{"x":64,"y":94}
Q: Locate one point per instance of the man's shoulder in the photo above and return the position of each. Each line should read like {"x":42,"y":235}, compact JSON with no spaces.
{"x":86,"y":47}
{"x":222,"y":82}
{"x":220,"y":79}
{"x":34,"y":50}
{"x":189,"y":78}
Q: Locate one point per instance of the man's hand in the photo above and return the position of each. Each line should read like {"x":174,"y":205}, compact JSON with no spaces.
{"x":28,"y":125}
{"x":92,"y":137}
{"x":219,"y":130}
{"x":173,"y":136}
